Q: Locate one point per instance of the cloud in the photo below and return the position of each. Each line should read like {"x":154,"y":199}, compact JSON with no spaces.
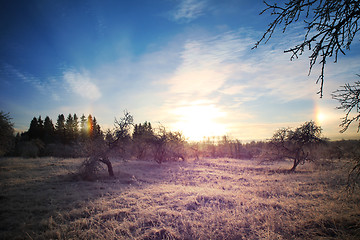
{"x":206,"y":64}
{"x":188,"y":10}
{"x":81,"y":84}
{"x":253,"y":88}
{"x":47,"y":86}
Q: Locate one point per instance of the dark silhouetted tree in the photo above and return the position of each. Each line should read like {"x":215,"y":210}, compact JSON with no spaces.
{"x":36,"y":129}
{"x":33,"y":131}
{"x":60,"y":127}
{"x":83,"y":127}
{"x":6,"y":134}
{"x":99,"y":149}
{"x":76,"y":126}
{"x":296,"y":144}
{"x":69,"y":129}
{"x":49,"y":130}
{"x":40,"y":128}
{"x":96,"y":129}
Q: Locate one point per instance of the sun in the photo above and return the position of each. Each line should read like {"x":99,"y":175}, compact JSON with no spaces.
{"x":199,"y":121}
{"x":320,"y":117}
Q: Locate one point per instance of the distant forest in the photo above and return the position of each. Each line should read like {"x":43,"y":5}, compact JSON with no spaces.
{"x":62,"y":139}
{"x":71,"y":137}
{"x":66,"y":131}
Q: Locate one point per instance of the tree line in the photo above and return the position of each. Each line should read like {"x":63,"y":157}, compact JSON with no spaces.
{"x":66,"y":131}
{"x":83,"y":137}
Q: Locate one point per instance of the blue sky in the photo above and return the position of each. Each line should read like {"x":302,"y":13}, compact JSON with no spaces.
{"x":187,"y":64}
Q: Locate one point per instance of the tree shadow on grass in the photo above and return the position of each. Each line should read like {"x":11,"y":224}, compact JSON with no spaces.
{"x":35,"y":190}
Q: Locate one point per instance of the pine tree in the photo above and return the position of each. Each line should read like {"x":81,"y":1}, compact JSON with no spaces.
{"x":83,"y":127}
{"x":49,"y":130}
{"x":33,"y":129}
{"x":69,"y":132}
{"x":60,"y":127}
{"x":96,"y":129}
{"x":76,"y":126}
{"x":40,"y":129}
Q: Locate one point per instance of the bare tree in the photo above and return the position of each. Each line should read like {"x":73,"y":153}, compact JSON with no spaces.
{"x":349,"y":99}
{"x":168,"y":146}
{"x":99,"y":149}
{"x":330,"y":25}
{"x":296,"y":144}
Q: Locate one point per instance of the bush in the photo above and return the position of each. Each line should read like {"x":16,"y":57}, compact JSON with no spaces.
{"x":6,"y":134}
{"x":63,"y":150}
{"x":28,"y":149}
{"x":90,"y":169}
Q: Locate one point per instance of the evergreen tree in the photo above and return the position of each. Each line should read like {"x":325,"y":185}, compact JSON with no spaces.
{"x":49,"y":130}
{"x":33,"y":129}
{"x":60,"y":127}
{"x":76,"y":126}
{"x":40,"y":128}
{"x":83,"y":127}
{"x":96,"y":129}
{"x":69,"y":132}
{"x":143,"y":130}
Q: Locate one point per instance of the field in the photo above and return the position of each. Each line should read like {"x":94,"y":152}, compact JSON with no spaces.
{"x":206,"y":199}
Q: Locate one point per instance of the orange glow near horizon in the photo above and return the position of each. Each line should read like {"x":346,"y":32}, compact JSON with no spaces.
{"x":199,"y":121}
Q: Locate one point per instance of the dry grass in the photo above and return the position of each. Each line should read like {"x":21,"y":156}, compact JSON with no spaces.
{"x":205,"y":199}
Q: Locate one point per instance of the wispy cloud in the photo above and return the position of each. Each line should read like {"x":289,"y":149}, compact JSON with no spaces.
{"x":188,"y":10}
{"x":224,"y":65}
{"x":204,"y":78}
{"x":44,"y":86}
{"x":252,"y":87}
{"x":206,"y":65}
{"x":25,"y":77}
{"x":82,"y":84}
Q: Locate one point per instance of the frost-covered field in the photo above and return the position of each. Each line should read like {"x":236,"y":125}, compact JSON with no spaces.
{"x":204,"y":199}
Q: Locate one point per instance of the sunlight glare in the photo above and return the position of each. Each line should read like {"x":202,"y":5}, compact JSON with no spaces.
{"x":320,"y":117}
{"x":198,"y":121}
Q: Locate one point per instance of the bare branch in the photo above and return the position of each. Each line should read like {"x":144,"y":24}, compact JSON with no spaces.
{"x":331,"y":27}
{"x":349,"y":98}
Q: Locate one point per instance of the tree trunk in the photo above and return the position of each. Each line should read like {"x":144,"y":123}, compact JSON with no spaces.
{"x":296,"y":163}
{"x":109,"y":165}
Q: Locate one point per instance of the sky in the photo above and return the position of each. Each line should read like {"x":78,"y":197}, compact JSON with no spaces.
{"x":185,"y":64}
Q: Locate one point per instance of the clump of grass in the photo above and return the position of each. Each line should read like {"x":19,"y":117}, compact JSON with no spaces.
{"x":205,"y":199}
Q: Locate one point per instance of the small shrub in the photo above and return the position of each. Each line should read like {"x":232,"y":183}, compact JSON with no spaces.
{"x":28,"y":149}
{"x":63,"y":150}
{"x":90,"y":169}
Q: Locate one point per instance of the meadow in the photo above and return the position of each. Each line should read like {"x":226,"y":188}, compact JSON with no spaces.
{"x":42,"y":198}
